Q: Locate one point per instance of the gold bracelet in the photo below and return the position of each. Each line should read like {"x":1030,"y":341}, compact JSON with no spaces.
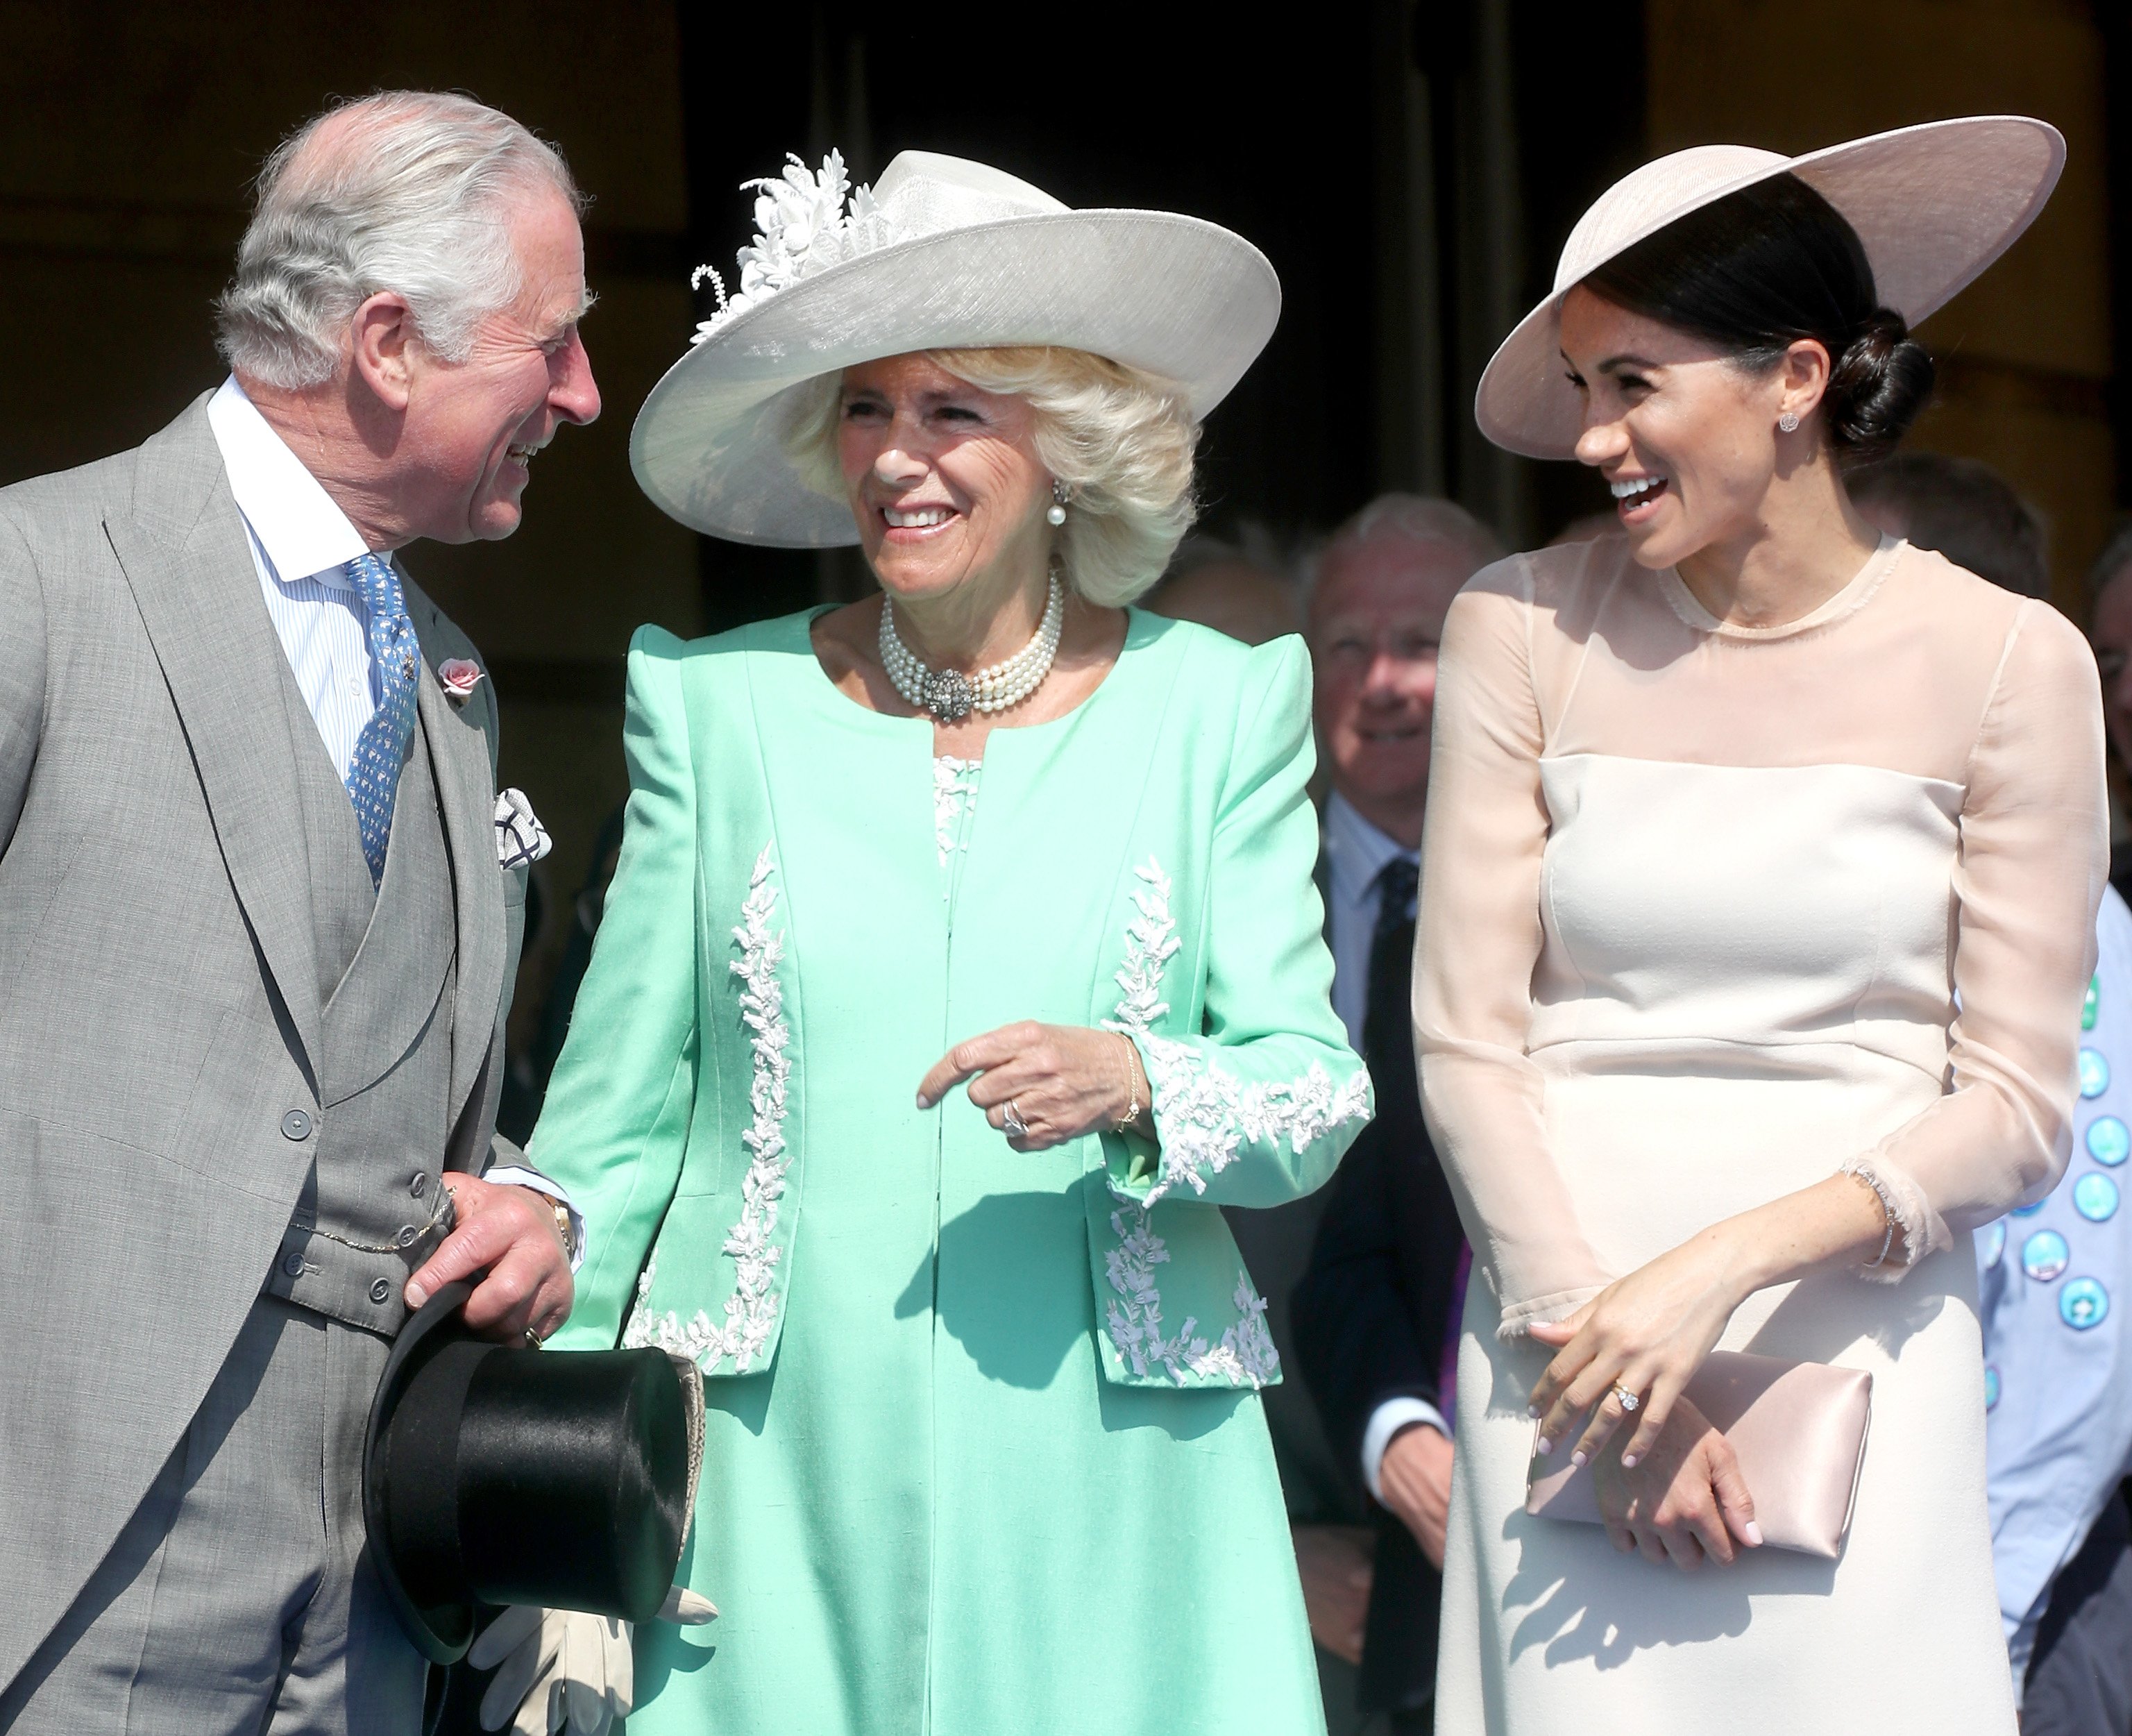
{"x":1130,"y":1119}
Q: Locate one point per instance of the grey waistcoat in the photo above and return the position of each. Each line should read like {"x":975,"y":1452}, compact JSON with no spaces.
{"x":164,"y":1059}
{"x":366,"y":1216}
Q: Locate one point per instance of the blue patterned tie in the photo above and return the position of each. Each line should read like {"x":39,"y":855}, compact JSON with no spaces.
{"x":373,"y":774}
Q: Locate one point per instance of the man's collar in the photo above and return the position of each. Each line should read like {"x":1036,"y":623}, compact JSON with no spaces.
{"x":1358,"y":850}
{"x":291,"y":517}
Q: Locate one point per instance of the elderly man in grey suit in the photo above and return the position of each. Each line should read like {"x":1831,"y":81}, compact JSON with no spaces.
{"x":259,"y":909}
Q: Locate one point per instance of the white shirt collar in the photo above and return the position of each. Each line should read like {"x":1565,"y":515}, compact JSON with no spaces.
{"x":1357,"y":851}
{"x":294,"y":521}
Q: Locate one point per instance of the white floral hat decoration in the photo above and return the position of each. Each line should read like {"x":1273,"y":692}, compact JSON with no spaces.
{"x":940,"y":253}
{"x":1933,"y":206}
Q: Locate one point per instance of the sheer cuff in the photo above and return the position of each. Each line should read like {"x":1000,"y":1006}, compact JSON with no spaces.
{"x":1910,"y":1235}
{"x":1519,"y":1318}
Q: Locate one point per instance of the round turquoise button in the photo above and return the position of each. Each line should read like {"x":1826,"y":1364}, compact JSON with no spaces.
{"x":2094,"y":1073}
{"x":2094,"y":1197}
{"x":2044,"y":1255}
{"x":2083,"y":1303}
{"x":2108,"y":1140}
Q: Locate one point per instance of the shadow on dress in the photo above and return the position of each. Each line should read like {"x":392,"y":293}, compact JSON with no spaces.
{"x":1002,"y":1294}
{"x":1019,"y":1310}
{"x":662,"y":1649}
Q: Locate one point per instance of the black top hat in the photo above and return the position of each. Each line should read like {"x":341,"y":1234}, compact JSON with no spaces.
{"x":496,"y":1472}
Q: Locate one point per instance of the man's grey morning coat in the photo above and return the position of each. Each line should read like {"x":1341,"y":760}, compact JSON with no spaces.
{"x":220,"y":1078}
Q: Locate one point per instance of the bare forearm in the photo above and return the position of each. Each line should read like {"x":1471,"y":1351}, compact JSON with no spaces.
{"x":1837,"y":1222}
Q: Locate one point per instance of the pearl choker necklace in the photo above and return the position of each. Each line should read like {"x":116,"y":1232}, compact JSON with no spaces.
{"x":948,"y":693}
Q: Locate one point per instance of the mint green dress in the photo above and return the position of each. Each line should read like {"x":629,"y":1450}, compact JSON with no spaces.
{"x":986,"y":1452}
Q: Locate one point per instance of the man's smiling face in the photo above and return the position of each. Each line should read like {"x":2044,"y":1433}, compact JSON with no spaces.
{"x":1376,"y":618}
{"x":473,"y":427}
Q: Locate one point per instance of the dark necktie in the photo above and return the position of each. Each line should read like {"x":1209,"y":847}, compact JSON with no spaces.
{"x":1387,"y":1036}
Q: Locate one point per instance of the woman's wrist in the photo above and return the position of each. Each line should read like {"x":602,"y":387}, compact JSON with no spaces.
{"x":1136,"y":1113}
{"x":1740,"y":1252}
{"x":1841,"y":1220}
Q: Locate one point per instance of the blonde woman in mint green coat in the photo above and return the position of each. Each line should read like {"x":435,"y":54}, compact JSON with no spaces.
{"x":930,"y":1023}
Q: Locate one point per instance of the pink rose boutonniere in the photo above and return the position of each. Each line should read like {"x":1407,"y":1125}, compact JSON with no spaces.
{"x":460,"y":676}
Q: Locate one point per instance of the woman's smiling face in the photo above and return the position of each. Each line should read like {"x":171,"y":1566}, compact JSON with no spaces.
{"x":942,"y":479}
{"x":1684,"y":435}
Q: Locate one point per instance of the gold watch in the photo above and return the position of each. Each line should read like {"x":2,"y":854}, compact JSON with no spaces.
{"x":565,"y":1229}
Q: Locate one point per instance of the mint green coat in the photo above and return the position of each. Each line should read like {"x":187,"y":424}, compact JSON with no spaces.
{"x":986,"y":1452}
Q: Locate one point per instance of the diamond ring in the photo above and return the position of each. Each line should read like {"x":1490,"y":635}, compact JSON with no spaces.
{"x":1016,"y":1127}
{"x":1627,"y":1400}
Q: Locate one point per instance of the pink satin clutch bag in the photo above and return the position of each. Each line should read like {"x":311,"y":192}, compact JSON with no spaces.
{"x":1798,"y":1431}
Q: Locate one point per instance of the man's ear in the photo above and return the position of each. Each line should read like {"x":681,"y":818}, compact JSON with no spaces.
{"x":384,"y":337}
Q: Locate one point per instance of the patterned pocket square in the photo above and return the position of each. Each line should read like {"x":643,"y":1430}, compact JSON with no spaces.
{"x":520,"y":838}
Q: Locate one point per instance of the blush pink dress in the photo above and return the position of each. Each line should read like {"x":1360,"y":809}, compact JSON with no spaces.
{"x":1709,"y":914}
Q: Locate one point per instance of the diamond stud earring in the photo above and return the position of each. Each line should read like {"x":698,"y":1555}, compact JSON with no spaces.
{"x":1788,"y":422}
{"x":1055,"y":514}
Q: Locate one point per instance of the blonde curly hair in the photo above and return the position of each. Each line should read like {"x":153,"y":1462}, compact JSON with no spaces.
{"x":1121,"y":439}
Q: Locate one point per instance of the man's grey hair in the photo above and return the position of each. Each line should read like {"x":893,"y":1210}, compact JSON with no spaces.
{"x":1420,"y":518}
{"x":411,"y":191}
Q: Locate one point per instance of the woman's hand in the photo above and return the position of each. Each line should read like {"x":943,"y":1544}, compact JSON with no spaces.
{"x":1059,"y":1081}
{"x":1683,"y":1501}
{"x":1644,"y":1335}
{"x":1647,"y":1333}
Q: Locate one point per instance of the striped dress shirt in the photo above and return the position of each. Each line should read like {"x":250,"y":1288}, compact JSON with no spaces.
{"x":302,"y":544}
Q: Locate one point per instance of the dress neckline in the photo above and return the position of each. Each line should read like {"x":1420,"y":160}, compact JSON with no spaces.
{"x":1855,"y":595}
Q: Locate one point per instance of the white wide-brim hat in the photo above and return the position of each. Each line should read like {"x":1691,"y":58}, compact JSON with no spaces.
{"x":941,"y":253}
{"x":1933,"y":206}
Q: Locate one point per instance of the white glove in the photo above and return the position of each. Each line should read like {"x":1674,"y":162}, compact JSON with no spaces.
{"x":558,"y":1666}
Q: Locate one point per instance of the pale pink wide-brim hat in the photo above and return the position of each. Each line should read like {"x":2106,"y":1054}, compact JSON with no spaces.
{"x":1933,"y":206}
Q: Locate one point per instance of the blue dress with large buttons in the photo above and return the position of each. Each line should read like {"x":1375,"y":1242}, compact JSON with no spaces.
{"x":2057,"y":1383}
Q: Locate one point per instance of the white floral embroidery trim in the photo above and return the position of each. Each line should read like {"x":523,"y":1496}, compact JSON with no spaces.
{"x":1245,"y":1355}
{"x":954,"y":789}
{"x":751,"y":1310}
{"x":1208,"y":1114}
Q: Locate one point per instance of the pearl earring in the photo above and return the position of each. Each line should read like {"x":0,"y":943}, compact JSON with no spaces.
{"x":1788,"y":422}
{"x":1055,"y":514}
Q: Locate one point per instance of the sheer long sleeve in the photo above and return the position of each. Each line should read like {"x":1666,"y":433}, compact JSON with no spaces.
{"x":1479,"y":939}
{"x":2032,"y":864}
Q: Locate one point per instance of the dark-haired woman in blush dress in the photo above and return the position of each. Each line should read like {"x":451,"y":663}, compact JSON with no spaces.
{"x":1762,"y":863}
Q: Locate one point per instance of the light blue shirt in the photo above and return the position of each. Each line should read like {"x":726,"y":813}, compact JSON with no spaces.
{"x":2054,"y":1281}
{"x":302,"y":543}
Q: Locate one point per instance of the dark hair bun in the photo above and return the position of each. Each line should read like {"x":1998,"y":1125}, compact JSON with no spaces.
{"x":1876,"y":389}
